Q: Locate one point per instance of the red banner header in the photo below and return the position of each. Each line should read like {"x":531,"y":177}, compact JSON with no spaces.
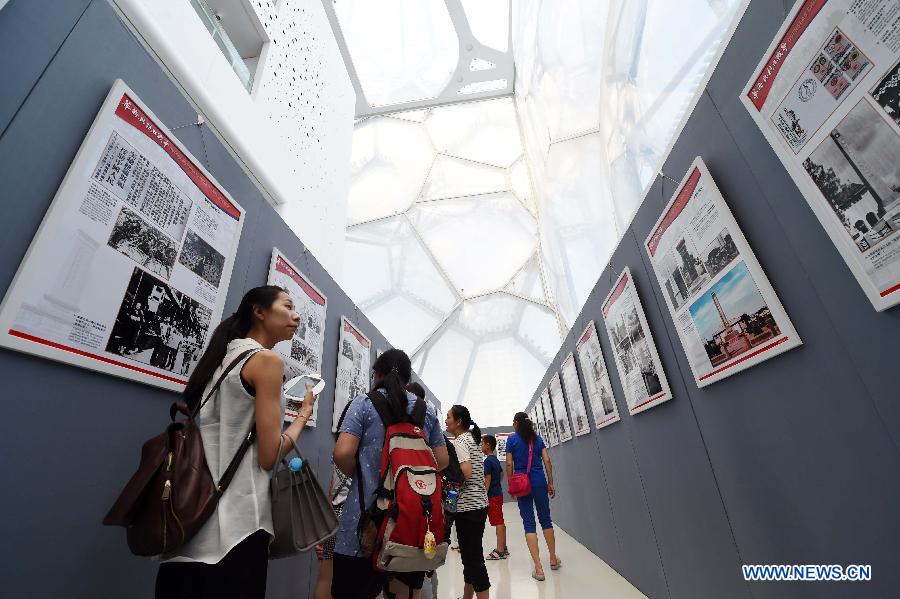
{"x":587,"y":335}
{"x":620,"y":287}
{"x":283,"y":267}
{"x":674,"y":210}
{"x":763,"y":84}
{"x":349,"y":328}
{"x":132,"y":114}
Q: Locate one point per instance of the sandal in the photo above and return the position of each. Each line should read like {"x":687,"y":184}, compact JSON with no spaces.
{"x":495,"y":555}
{"x":536,"y":576}
{"x":557,"y":565}
{"x":506,"y":553}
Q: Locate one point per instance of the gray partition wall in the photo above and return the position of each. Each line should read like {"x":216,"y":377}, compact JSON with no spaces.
{"x":794,"y":461}
{"x":72,"y":437}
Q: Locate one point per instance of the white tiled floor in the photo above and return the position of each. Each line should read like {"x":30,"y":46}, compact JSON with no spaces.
{"x":583,"y":574}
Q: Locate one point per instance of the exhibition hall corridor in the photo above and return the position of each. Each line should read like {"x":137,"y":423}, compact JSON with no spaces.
{"x":583,"y":574}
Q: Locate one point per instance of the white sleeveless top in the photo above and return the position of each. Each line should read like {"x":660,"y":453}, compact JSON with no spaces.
{"x":245,"y":506}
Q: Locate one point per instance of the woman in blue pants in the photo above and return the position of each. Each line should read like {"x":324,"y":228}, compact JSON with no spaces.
{"x":541,"y":475}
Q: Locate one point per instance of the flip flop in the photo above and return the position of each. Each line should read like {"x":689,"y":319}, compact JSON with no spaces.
{"x":536,"y":576}
{"x":495,"y":555}
{"x":556,"y":566}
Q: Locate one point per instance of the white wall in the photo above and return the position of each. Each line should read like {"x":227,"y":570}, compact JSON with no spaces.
{"x":293,"y":132}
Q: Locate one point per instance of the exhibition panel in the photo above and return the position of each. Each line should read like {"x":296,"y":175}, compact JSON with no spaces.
{"x":726,"y":312}
{"x":303,"y":353}
{"x":596,"y":377}
{"x":129,"y":271}
{"x":825,"y":95}
{"x":634,"y":349}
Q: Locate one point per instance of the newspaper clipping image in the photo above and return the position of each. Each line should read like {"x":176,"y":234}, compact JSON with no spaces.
{"x":105,"y":284}
{"x":826,"y":95}
{"x":353,"y":367}
{"x":637,"y":359}
{"x":549,"y":421}
{"x":501,"y":446}
{"x":596,"y":377}
{"x":727,"y":314}
{"x":303,"y":353}
{"x":537,"y":416}
{"x":560,"y":412}
{"x":576,"y":398}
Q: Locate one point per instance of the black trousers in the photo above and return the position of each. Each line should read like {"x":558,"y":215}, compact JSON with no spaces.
{"x":355,"y":578}
{"x":470,"y":532}
{"x":240,"y":575}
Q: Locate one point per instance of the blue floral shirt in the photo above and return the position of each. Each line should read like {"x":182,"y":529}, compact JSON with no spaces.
{"x":362,"y":421}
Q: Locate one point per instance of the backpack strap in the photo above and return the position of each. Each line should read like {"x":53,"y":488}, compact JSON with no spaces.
{"x":231,"y":470}
{"x":379,"y":402}
{"x":215,"y":387}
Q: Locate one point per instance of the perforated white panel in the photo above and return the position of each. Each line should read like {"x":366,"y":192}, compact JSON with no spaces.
{"x":305,"y":92}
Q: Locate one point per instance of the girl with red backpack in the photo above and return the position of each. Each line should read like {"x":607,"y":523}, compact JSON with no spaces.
{"x":358,"y":453}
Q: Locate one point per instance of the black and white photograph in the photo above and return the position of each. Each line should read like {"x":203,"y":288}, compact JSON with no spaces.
{"x":685,"y":271}
{"x":857,"y":170}
{"x":637,"y":360}
{"x":159,"y":326}
{"x":302,"y":353}
{"x":720,"y":253}
{"x":887,"y":93}
{"x":143,"y":243}
{"x":202,"y":259}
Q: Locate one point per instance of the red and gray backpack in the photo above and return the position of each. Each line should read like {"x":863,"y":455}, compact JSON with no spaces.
{"x":403,"y":530}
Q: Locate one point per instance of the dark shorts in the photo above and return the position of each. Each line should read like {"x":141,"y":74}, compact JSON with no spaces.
{"x":354,"y":578}
{"x":495,"y":510}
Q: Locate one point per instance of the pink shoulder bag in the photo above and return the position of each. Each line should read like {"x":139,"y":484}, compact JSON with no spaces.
{"x":520,"y":484}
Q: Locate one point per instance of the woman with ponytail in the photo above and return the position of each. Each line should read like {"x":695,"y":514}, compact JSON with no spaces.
{"x":518,"y":446}
{"x":357,"y":454}
{"x":229,"y":555}
{"x":471,"y":506}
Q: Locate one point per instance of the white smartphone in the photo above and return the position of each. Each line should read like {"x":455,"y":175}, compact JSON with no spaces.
{"x":296,"y":387}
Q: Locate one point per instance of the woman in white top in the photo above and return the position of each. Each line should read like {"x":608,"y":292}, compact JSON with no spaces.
{"x":228,"y":557}
{"x":471,"y":505}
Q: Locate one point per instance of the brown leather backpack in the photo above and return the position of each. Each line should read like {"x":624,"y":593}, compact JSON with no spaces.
{"x":173,"y":493}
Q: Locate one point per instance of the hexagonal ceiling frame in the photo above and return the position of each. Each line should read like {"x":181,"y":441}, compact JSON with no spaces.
{"x":493,"y":77}
{"x":536,"y":256}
